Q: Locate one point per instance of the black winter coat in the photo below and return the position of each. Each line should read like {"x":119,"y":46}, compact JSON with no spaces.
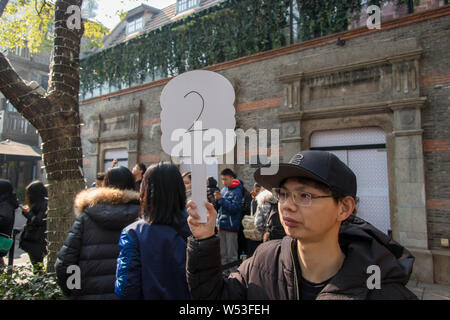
{"x":8,"y":207}
{"x":33,"y":237}
{"x":93,"y":242}
{"x":7,"y":217}
{"x":271,"y":272}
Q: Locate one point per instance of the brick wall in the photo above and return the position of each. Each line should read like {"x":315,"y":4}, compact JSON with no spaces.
{"x":259,"y":97}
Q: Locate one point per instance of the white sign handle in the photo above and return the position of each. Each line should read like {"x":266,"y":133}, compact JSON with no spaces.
{"x":198,"y":174}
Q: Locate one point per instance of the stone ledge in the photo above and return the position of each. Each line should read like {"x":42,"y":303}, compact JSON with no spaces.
{"x":403,"y":133}
{"x":133,"y":136}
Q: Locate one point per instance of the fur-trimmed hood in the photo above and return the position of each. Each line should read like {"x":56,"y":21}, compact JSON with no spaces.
{"x":265,"y":196}
{"x":112,"y":208}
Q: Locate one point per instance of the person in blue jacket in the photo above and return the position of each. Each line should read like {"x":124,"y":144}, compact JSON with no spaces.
{"x":229,"y":207}
{"x":152,"y":260}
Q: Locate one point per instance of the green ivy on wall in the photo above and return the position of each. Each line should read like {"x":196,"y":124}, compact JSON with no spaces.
{"x":224,"y":32}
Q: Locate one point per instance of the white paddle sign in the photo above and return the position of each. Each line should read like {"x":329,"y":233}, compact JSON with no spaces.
{"x":197,"y":107}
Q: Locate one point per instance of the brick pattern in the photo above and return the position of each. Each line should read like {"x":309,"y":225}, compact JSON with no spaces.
{"x":150,"y":158}
{"x":438,"y":204}
{"x":261,"y":104}
{"x":434,"y":79}
{"x":150,"y":122}
{"x":254,"y":105}
{"x":436,"y":145}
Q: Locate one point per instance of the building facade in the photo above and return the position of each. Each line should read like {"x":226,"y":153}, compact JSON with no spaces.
{"x":380,"y":101}
{"x":23,"y":165}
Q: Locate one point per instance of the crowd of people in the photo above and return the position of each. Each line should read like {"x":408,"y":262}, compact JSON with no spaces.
{"x":295,"y":235}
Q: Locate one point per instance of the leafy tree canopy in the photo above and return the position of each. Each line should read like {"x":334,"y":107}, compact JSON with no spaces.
{"x":29,"y":24}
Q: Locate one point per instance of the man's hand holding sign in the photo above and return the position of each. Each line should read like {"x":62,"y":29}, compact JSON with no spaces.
{"x":197,"y":107}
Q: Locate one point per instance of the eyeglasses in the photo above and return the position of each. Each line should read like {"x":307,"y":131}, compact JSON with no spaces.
{"x":300,"y":198}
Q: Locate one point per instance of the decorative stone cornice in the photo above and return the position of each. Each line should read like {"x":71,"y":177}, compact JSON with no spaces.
{"x":408,"y":104}
{"x":358,"y":109}
{"x":135,"y":107}
{"x":370,"y":63}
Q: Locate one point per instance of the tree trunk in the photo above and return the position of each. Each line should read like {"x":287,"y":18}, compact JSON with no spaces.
{"x":55,"y":114}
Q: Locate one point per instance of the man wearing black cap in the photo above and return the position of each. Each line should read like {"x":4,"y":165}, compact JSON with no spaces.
{"x":328,"y":253}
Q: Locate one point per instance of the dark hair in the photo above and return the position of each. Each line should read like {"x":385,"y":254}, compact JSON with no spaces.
{"x":142,"y":167}
{"x":100,"y":176}
{"x":120,"y":178}
{"x":7,"y":194}
{"x":228,"y":172}
{"x":35,"y":194}
{"x":211,"y":182}
{"x":163,"y":195}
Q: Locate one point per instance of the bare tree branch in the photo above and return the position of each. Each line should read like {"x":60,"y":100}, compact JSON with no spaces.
{"x":39,"y":11}
{"x":28,"y":99}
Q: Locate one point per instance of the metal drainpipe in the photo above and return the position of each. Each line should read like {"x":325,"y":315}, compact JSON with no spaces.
{"x":291,"y":22}
{"x":410,"y":6}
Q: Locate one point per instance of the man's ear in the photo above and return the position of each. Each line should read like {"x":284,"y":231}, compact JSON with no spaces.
{"x":346,"y":208}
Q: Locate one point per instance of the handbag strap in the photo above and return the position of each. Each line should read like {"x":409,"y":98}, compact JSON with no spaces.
{"x":5,"y":235}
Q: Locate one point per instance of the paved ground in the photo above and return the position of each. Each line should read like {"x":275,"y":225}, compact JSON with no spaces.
{"x":20,"y":256}
{"x":426,"y":291}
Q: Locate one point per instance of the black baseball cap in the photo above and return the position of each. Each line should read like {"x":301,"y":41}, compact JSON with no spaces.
{"x":321,"y":166}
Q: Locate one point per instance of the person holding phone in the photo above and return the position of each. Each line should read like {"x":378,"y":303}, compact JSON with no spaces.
{"x":33,"y":239}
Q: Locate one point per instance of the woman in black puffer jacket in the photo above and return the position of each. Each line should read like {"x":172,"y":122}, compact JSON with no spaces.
{"x":8,"y":205}
{"x":33,"y":239}
{"x":93,"y":242}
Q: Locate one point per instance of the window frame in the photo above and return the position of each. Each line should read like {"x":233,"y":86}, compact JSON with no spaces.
{"x":135,"y":25}
{"x":185,"y":5}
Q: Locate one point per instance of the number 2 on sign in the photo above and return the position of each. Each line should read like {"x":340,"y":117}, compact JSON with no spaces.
{"x":201,"y":111}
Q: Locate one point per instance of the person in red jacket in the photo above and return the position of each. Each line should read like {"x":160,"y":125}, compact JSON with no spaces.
{"x":328,"y":252}
{"x":228,"y":203}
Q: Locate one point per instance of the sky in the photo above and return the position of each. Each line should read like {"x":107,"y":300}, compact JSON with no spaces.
{"x":107,"y":9}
